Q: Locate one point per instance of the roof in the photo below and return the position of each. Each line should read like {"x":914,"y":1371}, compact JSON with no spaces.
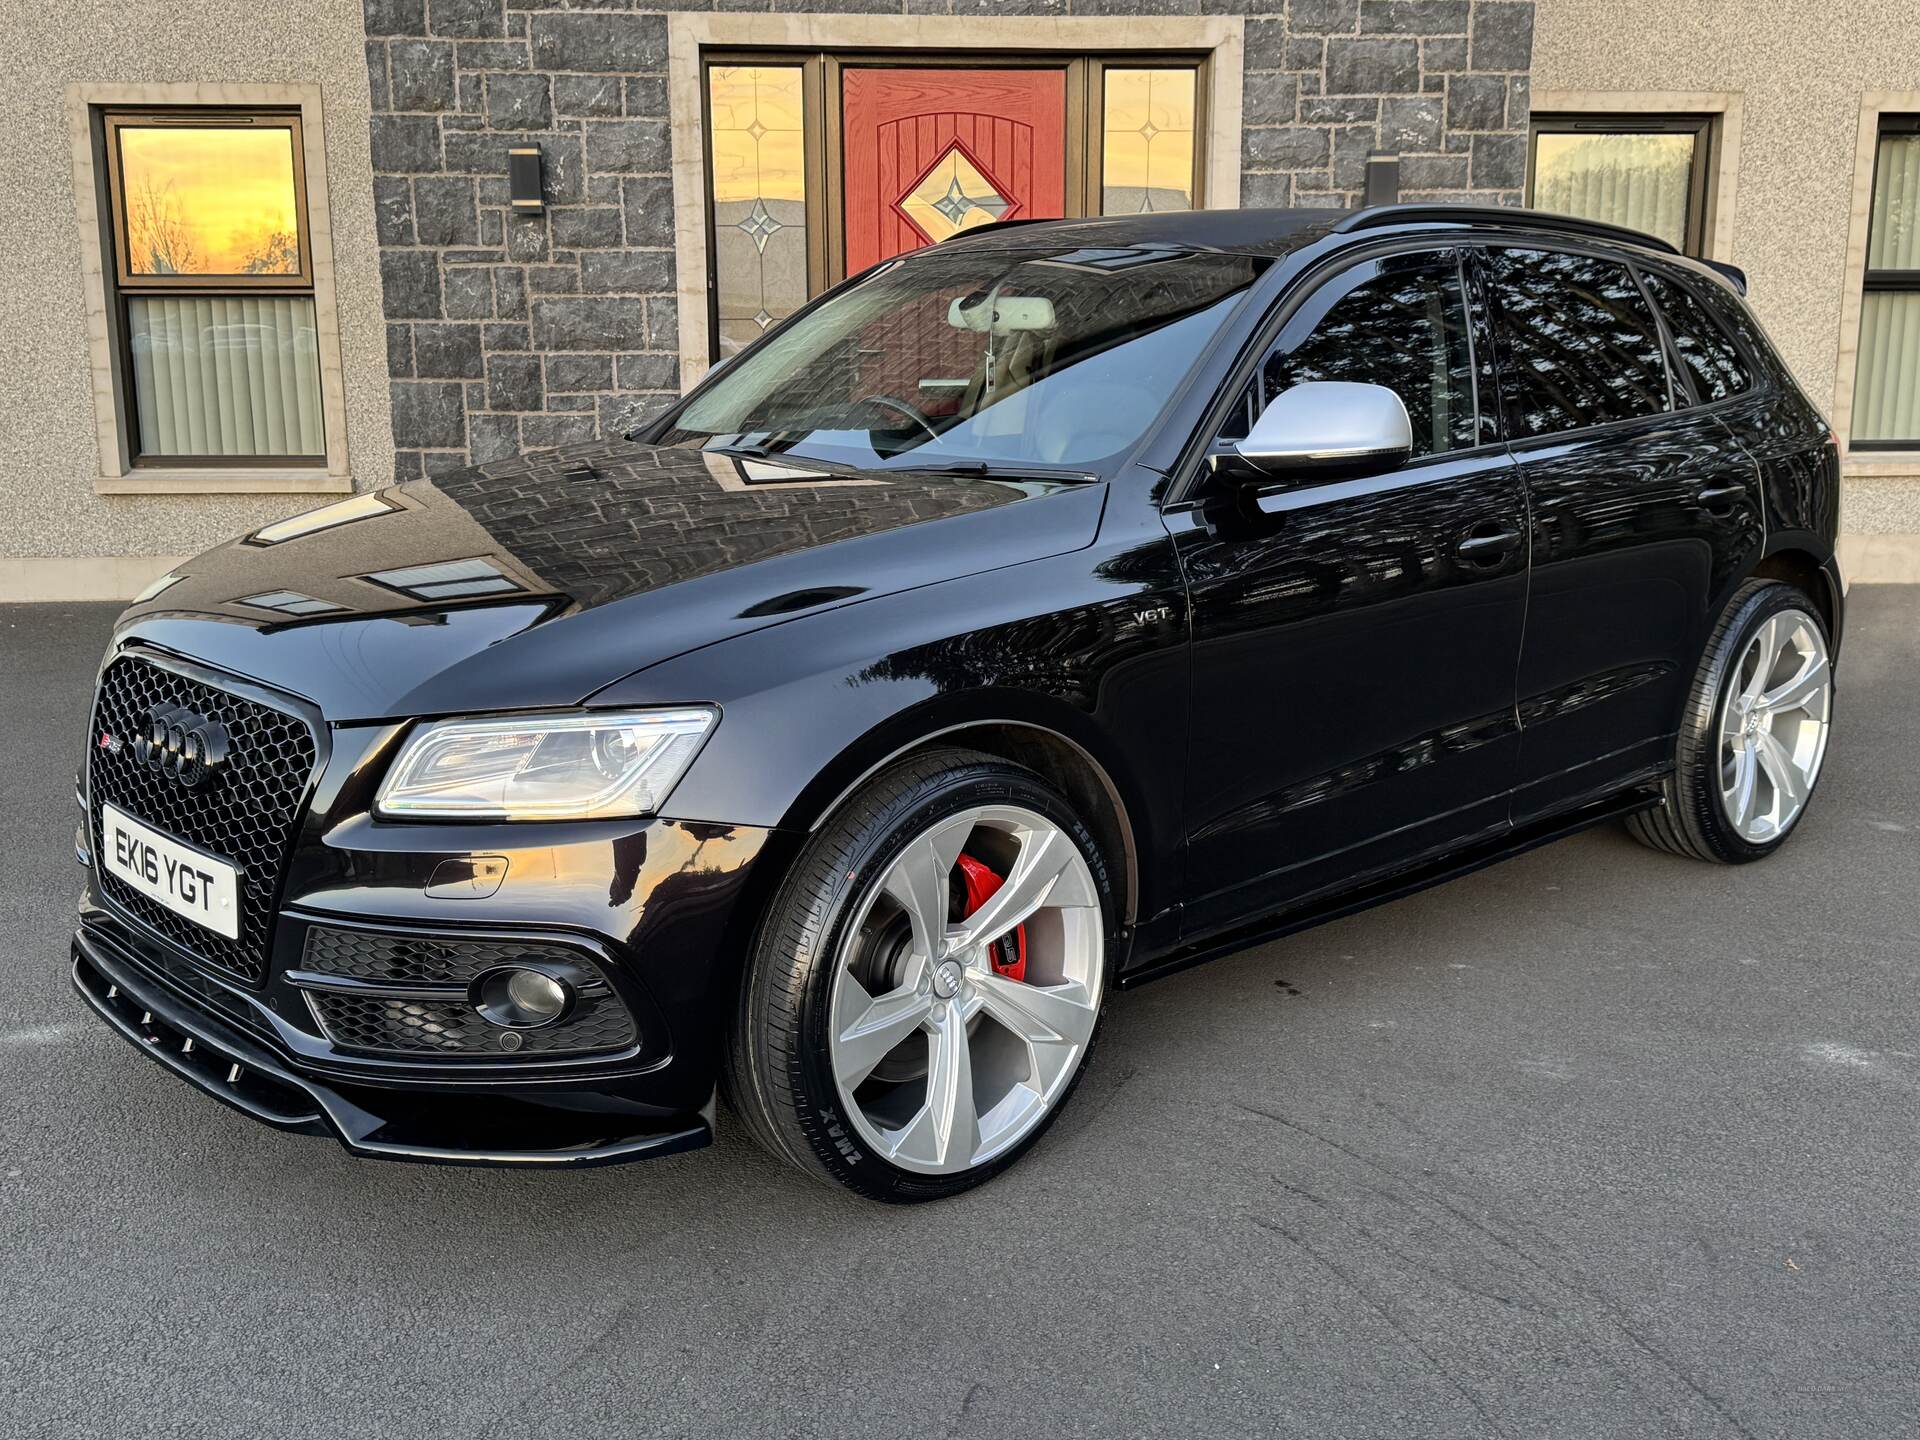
{"x":1248,"y":232}
{"x":1279,"y":232}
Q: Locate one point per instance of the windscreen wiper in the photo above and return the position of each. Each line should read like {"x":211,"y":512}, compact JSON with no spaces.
{"x":994,"y":470}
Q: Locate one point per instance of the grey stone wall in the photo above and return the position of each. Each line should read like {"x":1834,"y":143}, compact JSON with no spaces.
{"x":508,"y":332}
{"x":1440,"y":83}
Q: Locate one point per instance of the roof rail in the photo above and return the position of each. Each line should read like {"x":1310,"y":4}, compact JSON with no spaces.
{"x":1377,"y":216}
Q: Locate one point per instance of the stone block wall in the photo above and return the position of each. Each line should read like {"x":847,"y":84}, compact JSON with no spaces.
{"x":514,"y":332}
{"x":1440,"y":83}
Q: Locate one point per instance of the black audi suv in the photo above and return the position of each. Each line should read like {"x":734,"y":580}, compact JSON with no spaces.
{"x":1028,"y":617}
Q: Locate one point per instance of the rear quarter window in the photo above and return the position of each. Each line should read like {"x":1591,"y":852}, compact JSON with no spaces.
{"x":1704,"y":348}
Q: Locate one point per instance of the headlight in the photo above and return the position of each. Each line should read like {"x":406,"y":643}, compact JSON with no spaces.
{"x":544,"y":767}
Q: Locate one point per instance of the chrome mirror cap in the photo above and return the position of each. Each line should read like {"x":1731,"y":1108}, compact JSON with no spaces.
{"x":1323,"y":427}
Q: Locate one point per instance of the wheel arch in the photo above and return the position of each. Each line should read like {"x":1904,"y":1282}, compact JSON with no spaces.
{"x":1793,"y":562}
{"x":1013,"y":727}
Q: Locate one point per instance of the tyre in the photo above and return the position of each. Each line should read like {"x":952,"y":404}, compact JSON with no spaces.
{"x":1754,"y":733}
{"x":924,"y":990}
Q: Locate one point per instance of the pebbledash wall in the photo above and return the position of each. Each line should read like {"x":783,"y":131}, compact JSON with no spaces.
{"x":1798,"y":91}
{"x":73,"y":526}
{"x":509,"y":331}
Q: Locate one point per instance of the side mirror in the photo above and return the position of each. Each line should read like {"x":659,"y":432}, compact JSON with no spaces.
{"x":1327,"y":429}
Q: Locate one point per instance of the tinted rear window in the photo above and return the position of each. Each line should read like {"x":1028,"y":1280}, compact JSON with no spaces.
{"x":1582,"y":345}
{"x":1710,"y":357}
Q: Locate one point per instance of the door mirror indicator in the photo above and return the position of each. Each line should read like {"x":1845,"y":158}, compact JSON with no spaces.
{"x":1324,"y":429}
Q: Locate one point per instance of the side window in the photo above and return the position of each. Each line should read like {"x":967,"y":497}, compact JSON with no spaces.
{"x":1400,"y":322}
{"x":1582,"y":345}
{"x":1710,"y":357}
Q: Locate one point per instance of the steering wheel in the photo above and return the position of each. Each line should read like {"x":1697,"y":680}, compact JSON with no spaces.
{"x":910,"y":411}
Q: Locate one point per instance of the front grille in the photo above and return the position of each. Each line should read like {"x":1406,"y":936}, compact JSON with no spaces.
{"x":246,"y":815}
{"x":444,"y":1023}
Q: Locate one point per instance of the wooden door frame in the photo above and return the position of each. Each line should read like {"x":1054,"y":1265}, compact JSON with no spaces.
{"x":822,"y":44}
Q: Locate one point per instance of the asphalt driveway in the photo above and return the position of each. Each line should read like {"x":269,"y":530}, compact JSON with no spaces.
{"x":1595,"y":1143}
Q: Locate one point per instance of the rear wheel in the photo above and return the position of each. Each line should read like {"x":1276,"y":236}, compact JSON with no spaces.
{"x":1755,"y":734}
{"x":926,"y":985}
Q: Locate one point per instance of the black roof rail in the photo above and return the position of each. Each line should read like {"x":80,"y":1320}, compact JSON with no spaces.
{"x":1377,"y":216}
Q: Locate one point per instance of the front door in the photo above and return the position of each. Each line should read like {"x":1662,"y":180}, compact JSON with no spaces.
{"x":929,"y":153}
{"x":1354,"y":642}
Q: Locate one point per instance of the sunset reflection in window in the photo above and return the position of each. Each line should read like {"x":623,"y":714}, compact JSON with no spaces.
{"x":1147,"y":141}
{"x":209,"y":200}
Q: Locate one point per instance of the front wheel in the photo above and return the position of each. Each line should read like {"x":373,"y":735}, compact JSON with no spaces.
{"x":1755,"y":733}
{"x":925,"y":987}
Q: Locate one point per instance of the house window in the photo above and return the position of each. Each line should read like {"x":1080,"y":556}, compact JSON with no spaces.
{"x":213,"y":288}
{"x":1647,"y":172}
{"x":820,"y":164}
{"x":1147,"y":152}
{"x":1886,"y":387}
{"x":756,"y":124}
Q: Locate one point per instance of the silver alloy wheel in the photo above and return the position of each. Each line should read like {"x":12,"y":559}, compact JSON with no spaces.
{"x":943,"y":1063}
{"x":1773,"y":726}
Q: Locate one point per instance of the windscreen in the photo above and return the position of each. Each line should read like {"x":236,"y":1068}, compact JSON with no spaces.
{"x":1029,"y":358}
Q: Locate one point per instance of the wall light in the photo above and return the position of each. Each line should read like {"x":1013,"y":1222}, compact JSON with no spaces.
{"x":524,"y":188}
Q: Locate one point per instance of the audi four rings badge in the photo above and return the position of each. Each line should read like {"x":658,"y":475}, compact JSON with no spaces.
{"x":179,"y":743}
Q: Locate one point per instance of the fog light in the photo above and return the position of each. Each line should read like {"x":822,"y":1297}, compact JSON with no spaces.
{"x":521,"y":998}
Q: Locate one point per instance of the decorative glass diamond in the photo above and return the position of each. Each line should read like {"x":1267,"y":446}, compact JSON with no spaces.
{"x":759,"y":225}
{"x":953,"y":196}
{"x":762,"y":319}
{"x":756,"y":129}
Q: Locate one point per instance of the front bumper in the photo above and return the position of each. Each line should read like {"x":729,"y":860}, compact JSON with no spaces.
{"x":353,"y":1005}
{"x":664,"y":944}
{"x":492,"y":1126}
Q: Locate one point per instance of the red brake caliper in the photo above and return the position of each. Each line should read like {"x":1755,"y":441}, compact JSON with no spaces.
{"x":1009,"y":951}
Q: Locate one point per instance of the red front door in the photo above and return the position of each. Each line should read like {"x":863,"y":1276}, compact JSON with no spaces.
{"x":929,"y":153}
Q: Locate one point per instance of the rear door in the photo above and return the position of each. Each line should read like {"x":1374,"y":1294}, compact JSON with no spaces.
{"x":1354,"y":642}
{"x":1644,"y":507}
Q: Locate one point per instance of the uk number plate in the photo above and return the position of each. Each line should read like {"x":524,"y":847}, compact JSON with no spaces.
{"x":187,"y":881}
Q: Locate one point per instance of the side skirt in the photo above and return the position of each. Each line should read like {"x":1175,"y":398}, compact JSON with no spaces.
{"x":1405,"y":882}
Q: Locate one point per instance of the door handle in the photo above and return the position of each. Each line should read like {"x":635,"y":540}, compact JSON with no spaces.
{"x":1720,"y":497}
{"x":1485,"y":546}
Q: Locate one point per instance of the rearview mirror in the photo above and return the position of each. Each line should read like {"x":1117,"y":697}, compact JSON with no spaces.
{"x":1326,"y":429}
{"x":1001,"y":314}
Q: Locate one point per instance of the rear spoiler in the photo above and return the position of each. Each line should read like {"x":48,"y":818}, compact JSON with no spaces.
{"x":1732,"y":274}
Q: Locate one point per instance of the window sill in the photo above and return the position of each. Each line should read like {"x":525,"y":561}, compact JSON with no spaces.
{"x":1864,"y":463}
{"x":221,"y":480}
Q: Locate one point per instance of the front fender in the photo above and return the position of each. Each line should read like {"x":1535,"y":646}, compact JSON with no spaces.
{"x":1089,"y":646}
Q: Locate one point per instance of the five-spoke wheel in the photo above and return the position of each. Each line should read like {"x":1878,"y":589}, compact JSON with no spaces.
{"x":1754,"y":732}
{"x":1773,"y":726}
{"x":942,"y":1058}
{"x":928,"y":982}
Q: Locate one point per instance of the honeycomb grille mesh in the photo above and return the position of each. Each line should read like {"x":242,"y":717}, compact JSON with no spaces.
{"x":394,"y":959}
{"x":393,"y":1025}
{"x":247,"y":815}
{"x":447,"y":1025}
